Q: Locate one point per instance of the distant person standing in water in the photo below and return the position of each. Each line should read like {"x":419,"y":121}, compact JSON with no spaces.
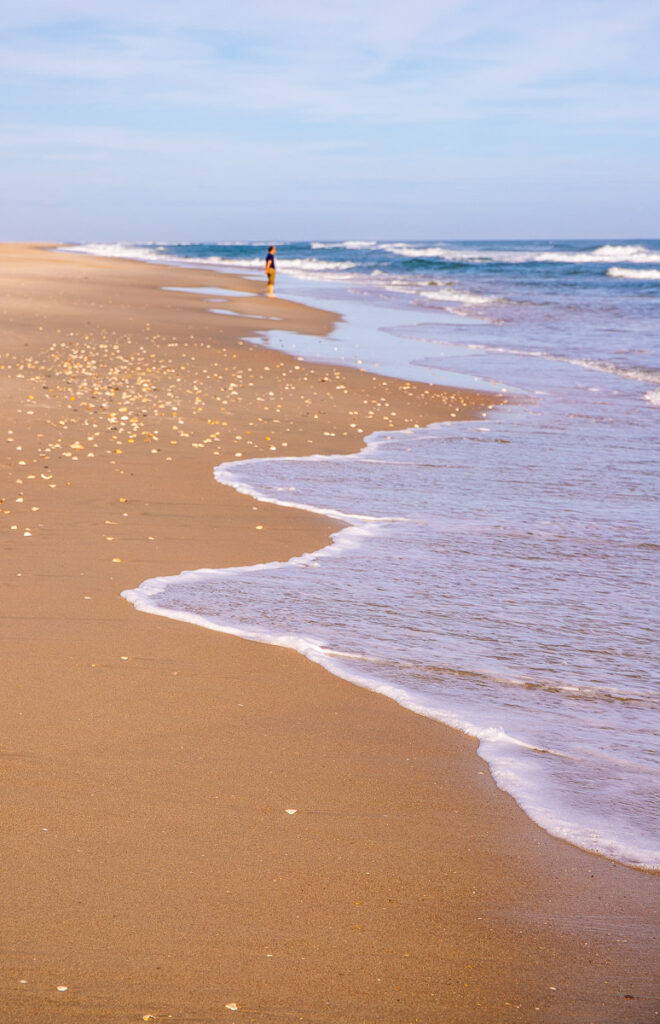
{"x":270,"y":269}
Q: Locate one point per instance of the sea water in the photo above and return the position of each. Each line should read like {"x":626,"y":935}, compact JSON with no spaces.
{"x":499,"y":575}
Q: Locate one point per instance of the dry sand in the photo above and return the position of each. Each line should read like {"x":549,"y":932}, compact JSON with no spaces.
{"x":150,"y":869}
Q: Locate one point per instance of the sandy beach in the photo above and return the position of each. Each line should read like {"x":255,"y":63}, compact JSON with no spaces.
{"x":195,"y":825}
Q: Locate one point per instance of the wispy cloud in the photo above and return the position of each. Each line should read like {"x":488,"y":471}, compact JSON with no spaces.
{"x":420,"y":59}
{"x":337,"y":89}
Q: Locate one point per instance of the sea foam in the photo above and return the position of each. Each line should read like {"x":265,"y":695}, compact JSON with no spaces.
{"x":634,"y":274}
{"x":604,"y":254}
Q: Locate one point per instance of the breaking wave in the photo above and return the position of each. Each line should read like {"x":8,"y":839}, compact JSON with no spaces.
{"x":634,"y":275}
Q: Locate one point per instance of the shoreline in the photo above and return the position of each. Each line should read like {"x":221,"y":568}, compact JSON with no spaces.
{"x":126,"y":757}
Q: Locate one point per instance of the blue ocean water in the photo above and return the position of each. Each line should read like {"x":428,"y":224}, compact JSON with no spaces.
{"x":499,"y":575}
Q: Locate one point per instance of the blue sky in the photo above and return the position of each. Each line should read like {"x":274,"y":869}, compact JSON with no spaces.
{"x":160,"y":120}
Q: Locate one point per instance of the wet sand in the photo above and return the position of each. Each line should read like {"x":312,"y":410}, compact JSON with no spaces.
{"x":150,"y":867}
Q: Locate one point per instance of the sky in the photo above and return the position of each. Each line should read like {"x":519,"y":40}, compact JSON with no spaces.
{"x":142,"y":120}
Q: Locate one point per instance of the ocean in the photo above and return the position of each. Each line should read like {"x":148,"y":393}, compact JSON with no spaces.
{"x":499,"y":575}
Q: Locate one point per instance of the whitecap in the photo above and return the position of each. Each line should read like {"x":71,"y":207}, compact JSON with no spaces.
{"x":603,"y":254}
{"x":344,"y":245}
{"x":633,"y":274}
{"x":122,"y":250}
{"x":415,"y":252}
